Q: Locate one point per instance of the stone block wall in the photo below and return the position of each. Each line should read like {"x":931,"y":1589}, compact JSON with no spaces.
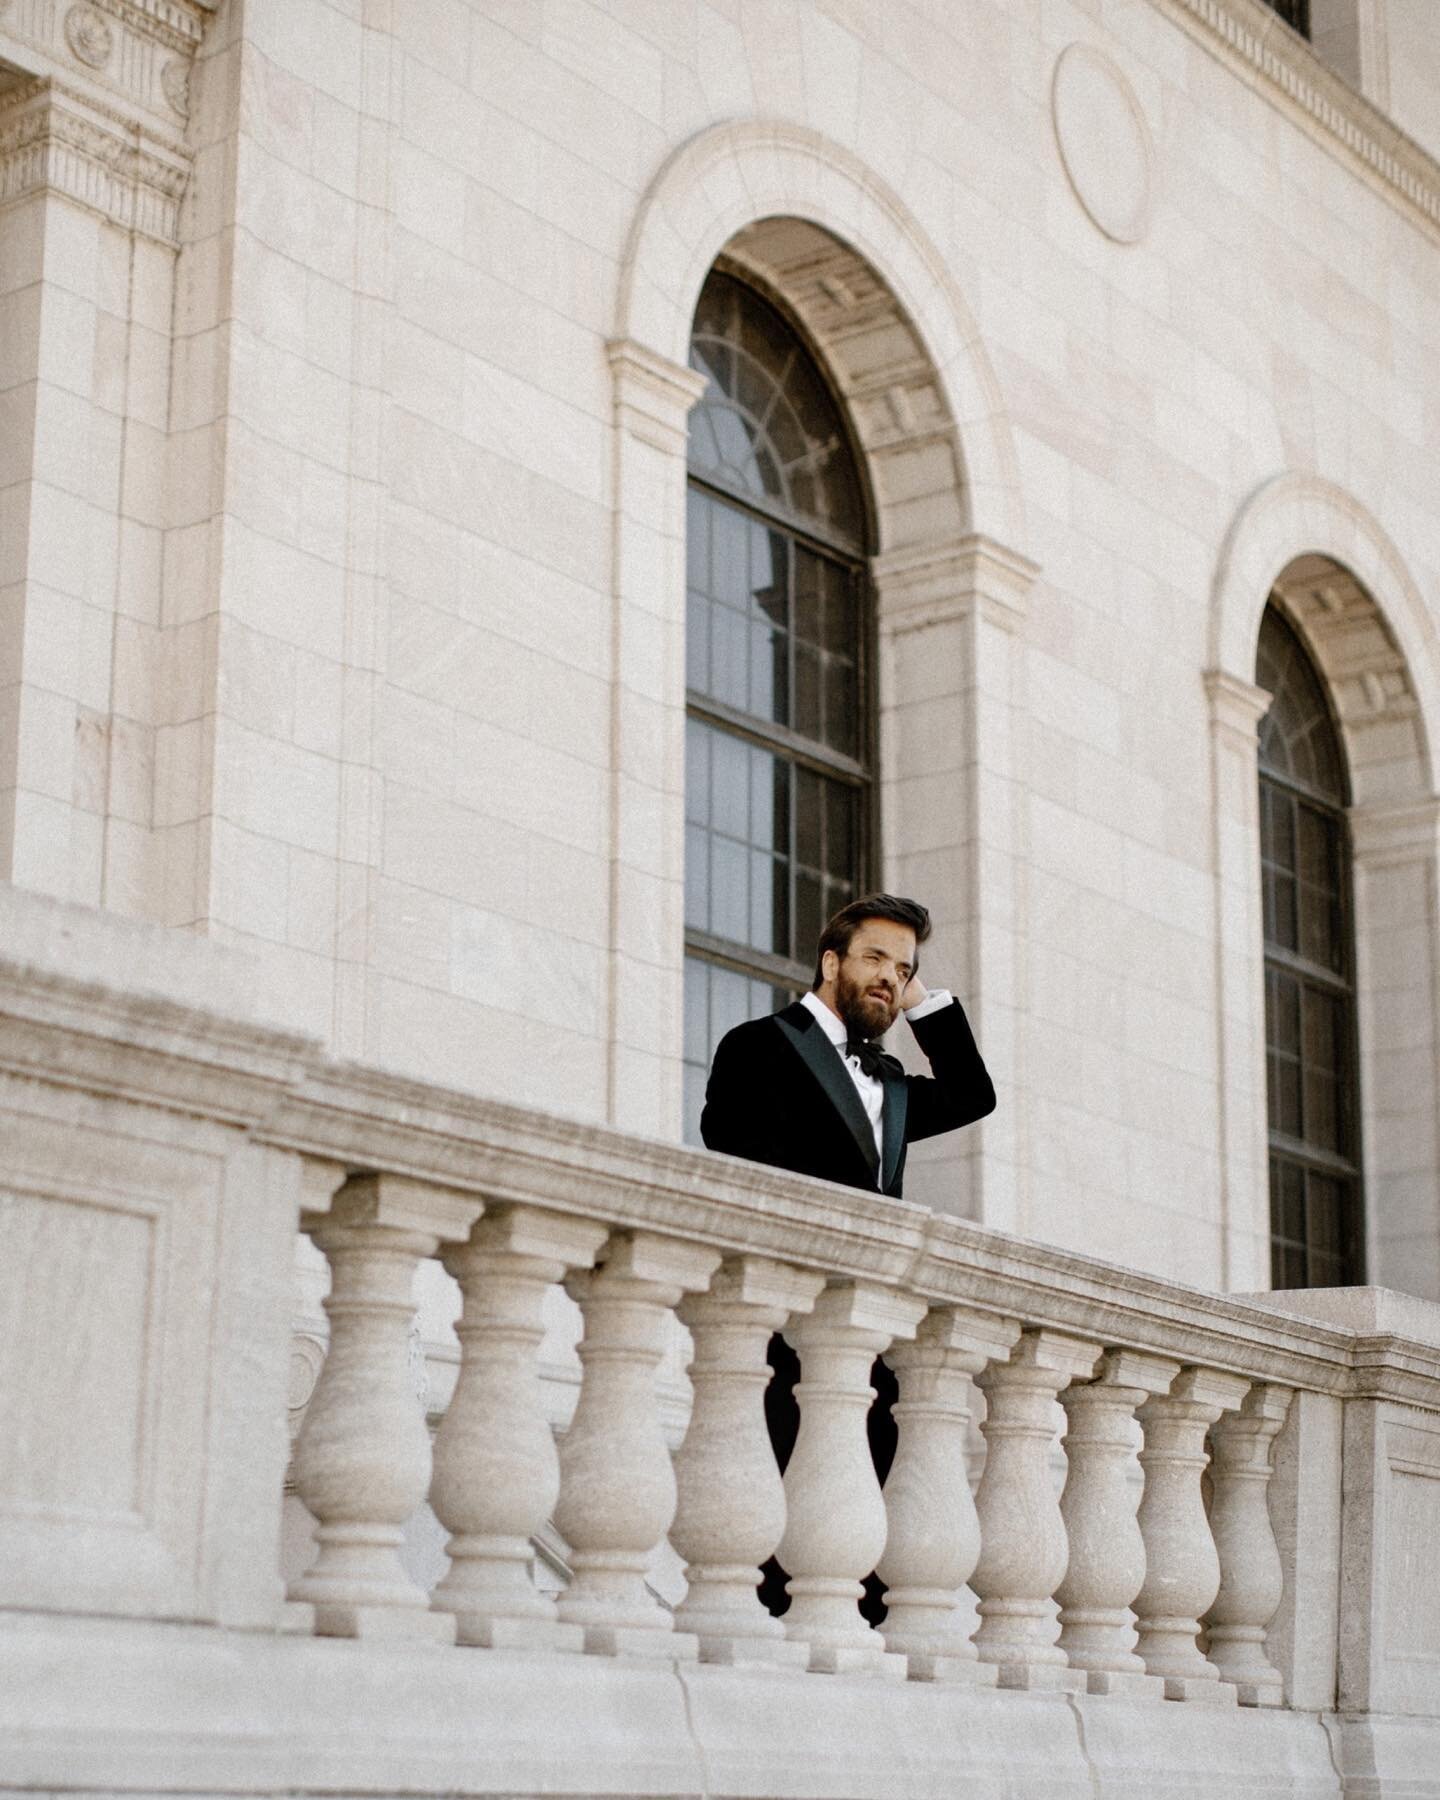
{"x":355,"y":635}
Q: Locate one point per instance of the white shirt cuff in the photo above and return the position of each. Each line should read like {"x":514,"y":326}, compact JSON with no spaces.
{"x":933,"y":1001}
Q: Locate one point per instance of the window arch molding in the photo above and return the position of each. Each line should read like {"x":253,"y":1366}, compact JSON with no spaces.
{"x":732,"y":178}
{"x":1345,"y":587}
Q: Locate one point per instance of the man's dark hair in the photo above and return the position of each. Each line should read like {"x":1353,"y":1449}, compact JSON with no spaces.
{"x":844,"y":924}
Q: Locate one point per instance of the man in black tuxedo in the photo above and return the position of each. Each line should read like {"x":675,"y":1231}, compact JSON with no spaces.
{"x":809,"y":1089}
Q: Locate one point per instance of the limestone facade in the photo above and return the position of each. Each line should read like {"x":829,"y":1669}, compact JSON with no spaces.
{"x":344,"y":390}
{"x":344,"y":367}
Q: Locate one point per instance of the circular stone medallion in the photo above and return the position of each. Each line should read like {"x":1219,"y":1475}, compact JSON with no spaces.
{"x":88,"y":36}
{"x":1104,"y":142}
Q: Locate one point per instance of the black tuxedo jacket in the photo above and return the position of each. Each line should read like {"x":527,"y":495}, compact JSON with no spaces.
{"x":779,"y":1093}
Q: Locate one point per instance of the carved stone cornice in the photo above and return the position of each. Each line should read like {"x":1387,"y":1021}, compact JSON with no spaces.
{"x":130,"y":51}
{"x":175,"y":23}
{"x":932,"y":584}
{"x":53,"y":139}
{"x":1255,"y":44}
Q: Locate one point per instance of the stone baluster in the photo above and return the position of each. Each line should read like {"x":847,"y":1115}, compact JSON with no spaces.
{"x":362,"y":1461}
{"x":1251,"y":1578}
{"x":1022,"y":1535}
{"x":497,"y":1474}
{"x":1107,"y":1553}
{"x":1182,"y":1571}
{"x":933,"y":1539}
{"x":835,"y":1514}
{"x":730,"y":1501}
{"x":617,"y":1485}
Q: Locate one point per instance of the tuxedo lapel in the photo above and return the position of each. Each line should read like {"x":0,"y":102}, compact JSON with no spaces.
{"x":897,"y":1097}
{"x":827,"y":1066}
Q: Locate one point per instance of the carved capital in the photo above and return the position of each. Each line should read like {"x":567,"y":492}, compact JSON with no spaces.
{"x":934,"y":584}
{"x":1236,"y":706}
{"x":653,"y":395}
{"x":1404,"y":831}
{"x":54,"y":140}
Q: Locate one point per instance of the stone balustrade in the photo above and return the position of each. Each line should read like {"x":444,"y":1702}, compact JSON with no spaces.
{"x":1064,"y":1581}
{"x":1241,"y":1531}
{"x":1154,"y":1573}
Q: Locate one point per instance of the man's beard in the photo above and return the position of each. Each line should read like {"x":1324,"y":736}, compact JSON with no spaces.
{"x":863,"y":1015}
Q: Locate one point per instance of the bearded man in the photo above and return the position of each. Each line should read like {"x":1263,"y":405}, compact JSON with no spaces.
{"x":810,"y":1089}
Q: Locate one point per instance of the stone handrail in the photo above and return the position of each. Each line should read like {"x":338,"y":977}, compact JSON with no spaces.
{"x":360,"y":1117}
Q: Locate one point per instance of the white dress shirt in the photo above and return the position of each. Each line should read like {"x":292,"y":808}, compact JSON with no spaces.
{"x":870,"y":1088}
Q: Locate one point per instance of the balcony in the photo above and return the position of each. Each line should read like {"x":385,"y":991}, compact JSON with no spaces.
{"x":1262,"y":1622}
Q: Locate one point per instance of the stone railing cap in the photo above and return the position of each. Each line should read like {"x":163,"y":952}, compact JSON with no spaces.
{"x":1366,"y":1311}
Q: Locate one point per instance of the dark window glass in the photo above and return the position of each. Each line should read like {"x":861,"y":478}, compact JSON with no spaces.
{"x":1295,"y":13}
{"x":1313,"y":1105}
{"x":777,"y":776}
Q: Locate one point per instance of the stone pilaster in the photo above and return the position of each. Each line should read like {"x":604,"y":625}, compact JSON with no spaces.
{"x":1236,"y":709}
{"x":952,"y":758}
{"x":652,"y":398}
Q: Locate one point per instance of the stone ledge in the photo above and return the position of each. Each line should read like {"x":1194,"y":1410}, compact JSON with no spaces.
{"x":87,"y":1706}
{"x":139,"y":1011}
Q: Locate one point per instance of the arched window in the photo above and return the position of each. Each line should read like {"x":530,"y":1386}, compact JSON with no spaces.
{"x":777,"y":669}
{"x":1316,"y":1235}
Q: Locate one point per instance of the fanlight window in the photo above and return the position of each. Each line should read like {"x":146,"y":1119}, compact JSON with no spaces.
{"x":1315,"y":1197}
{"x":777,"y":766}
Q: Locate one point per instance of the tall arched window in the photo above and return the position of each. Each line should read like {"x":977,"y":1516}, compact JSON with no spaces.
{"x":777,"y":669}
{"x":1316,"y":1235}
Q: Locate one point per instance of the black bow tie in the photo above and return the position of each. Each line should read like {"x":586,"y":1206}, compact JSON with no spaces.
{"x":871,"y":1058}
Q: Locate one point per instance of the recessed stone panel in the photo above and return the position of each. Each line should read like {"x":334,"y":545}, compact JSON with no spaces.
{"x":76,"y":1304}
